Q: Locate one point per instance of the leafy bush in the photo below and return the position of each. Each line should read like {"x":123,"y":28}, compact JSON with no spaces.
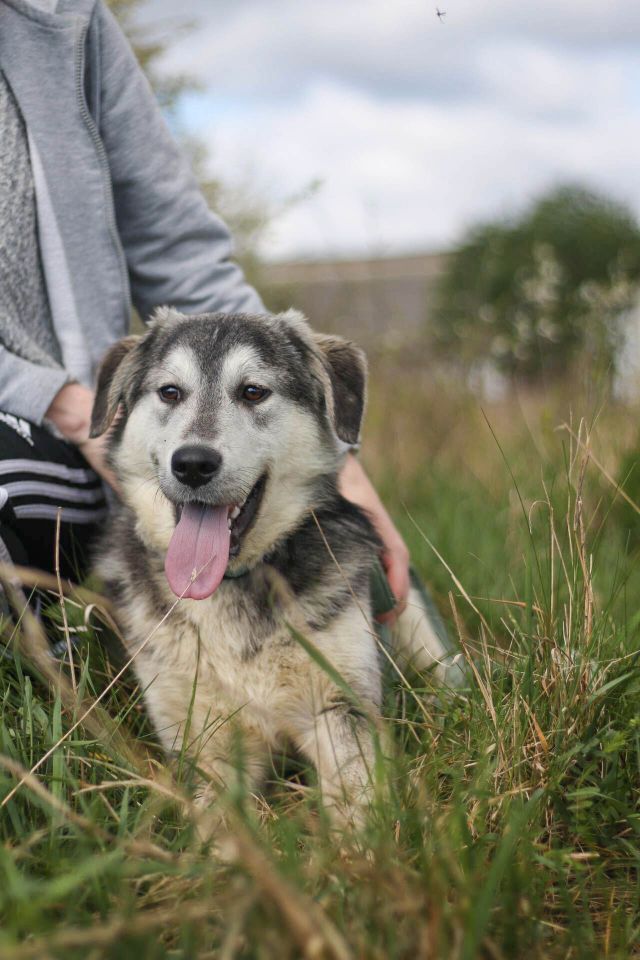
{"x":628,"y":501}
{"x":528,"y":294}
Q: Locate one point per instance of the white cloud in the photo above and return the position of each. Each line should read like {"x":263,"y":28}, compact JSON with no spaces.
{"x":416,"y":128}
{"x":398,"y":176}
{"x":398,"y":48}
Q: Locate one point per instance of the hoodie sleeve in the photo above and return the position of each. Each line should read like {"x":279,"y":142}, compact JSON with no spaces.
{"x":27,"y":389}
{"x":177,"y":251}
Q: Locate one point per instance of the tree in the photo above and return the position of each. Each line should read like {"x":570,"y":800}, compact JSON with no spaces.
{"x":528,"y":294}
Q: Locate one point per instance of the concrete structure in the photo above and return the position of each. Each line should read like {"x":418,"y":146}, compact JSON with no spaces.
{"x":379,"y":300}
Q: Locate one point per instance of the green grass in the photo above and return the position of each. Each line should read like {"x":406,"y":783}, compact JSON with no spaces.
{"x":507,"y":823}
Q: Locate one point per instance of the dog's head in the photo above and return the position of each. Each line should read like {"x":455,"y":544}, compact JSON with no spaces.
{"x":228,"y":425}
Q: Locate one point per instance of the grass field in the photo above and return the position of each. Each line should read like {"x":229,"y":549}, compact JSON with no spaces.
{"x":507,"y":823}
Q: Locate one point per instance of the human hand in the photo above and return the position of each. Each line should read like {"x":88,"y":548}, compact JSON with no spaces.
{"x":70,"y":411}
{"x":356,"y":486}
{"x":94,"y":451}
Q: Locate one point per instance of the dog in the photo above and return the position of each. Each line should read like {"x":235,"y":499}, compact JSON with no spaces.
{"x":226,"y":434}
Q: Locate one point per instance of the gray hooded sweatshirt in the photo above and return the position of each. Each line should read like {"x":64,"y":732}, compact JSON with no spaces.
{"x":120,"y":217}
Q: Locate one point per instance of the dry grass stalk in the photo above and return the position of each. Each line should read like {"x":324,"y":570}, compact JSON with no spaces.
{"x":63,"y":608}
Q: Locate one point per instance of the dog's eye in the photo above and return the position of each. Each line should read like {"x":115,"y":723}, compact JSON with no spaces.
{"x":170,"y":394}
{"x":254,"y":394}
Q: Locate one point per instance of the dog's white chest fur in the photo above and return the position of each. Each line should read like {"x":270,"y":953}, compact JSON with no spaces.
{"x":214,"y":662}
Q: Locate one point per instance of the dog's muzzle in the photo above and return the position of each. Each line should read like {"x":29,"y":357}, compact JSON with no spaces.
{"x":205,"y":537}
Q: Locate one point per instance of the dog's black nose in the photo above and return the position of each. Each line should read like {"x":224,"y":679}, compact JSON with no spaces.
{"x":195,"y":465}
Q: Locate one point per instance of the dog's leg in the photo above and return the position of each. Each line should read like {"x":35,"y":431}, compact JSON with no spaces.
{"x":339,"y":742}
{"x":420,"y":643}
{"x":233,"y":762}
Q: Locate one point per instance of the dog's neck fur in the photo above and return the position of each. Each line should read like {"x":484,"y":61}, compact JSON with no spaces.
{"x":325,"y":496}
{"x":153,"y":518}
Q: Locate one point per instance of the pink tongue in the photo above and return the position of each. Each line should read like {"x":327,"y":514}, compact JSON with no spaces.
{"x":200,"y":543}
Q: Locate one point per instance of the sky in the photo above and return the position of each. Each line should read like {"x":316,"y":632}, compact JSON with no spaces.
{"x":373,"y":127}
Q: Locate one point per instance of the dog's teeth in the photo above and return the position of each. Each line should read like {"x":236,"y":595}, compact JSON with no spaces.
{"x":229,"y":522}
{"x":235,"y":513}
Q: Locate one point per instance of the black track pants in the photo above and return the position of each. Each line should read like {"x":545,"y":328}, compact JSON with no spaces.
{"x":39,"y":475}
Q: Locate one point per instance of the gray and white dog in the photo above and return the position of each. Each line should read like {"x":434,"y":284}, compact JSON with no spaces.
{"x":230,"y":436}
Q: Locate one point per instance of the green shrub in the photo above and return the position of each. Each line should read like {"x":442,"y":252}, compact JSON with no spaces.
{"x":529,"y":293}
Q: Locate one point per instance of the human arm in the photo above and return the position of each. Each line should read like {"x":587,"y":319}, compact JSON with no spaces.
{"x":177,"y":251}
{"x":27,"y":389}
{"x":356,"y":486}
{"x":70,"y":412}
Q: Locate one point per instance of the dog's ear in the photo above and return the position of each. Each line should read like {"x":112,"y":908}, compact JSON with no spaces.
{"x":346,"y":365}
{"x":166,"y":317}
{"x":113,"y":376}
